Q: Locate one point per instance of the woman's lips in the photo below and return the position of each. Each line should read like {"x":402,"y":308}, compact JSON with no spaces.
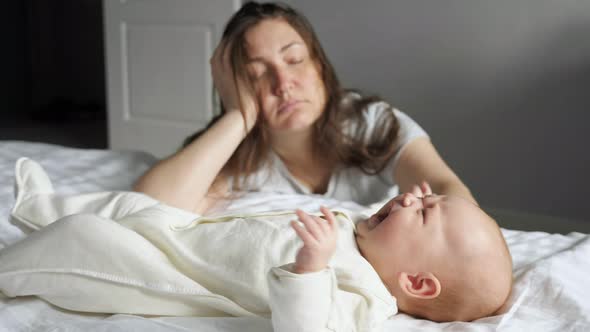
{"x":288,"y":106}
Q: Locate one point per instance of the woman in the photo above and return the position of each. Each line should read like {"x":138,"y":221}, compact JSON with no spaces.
{"x":287,"y":126}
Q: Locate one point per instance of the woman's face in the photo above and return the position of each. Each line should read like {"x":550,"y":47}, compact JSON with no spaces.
{"x":287,"y":81}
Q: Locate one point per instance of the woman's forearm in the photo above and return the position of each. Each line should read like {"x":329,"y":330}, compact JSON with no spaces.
{"x":184,"y":179}
{"x":456,"y":188}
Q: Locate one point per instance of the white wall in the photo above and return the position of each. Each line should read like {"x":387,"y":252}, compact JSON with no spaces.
{"x":503,"y":87}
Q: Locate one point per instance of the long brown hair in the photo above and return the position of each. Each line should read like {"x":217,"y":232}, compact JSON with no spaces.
{"x":331,"y":130}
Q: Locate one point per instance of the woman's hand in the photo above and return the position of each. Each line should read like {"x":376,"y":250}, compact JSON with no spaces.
{"x":406,"y":199}
{"x":420,"y":161}
{"x":234,"y":93}
{"x":421,"y":190}
{"x":319,"y":240}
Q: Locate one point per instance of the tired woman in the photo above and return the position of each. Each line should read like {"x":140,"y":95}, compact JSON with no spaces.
{"x":287,"y":126}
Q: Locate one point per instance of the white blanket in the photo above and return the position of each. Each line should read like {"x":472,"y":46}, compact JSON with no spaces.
{"x":550,"y":292}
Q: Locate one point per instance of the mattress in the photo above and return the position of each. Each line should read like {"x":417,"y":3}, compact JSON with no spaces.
{"x":550,"y":291}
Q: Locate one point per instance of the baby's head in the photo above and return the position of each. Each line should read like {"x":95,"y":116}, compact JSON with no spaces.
{"x":441,"y":257}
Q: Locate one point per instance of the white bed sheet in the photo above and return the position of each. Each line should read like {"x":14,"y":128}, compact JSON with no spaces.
{"x":551,"y":291}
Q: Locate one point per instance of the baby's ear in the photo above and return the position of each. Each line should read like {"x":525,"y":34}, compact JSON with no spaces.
{"x":421,"y":285}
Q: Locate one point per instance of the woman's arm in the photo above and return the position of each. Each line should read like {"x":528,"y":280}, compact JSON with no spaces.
{"x":184,"y":179}
{"x":419,"y":161}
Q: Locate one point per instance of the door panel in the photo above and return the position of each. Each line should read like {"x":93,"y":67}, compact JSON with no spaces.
{"x":159,"y":84}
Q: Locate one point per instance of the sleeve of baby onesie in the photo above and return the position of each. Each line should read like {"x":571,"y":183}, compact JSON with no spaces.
{"x":303,"y":302}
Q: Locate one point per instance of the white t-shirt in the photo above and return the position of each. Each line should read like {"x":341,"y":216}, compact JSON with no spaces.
{"x":346,"y":184}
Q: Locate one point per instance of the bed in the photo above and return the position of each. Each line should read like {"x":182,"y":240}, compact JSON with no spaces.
{"x":551,"y":291}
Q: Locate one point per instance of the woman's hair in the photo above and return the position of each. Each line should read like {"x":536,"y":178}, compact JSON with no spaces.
{"x":332,"y":130}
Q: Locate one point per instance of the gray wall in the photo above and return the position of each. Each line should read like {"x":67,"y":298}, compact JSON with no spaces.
{"x":502,"y":87}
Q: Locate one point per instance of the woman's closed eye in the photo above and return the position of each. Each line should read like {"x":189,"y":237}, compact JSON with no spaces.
{"x":256,"y":75}
{"x":256,"y":70}
{"x":295,"y":61}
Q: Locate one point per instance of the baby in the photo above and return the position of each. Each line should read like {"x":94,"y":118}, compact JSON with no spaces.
{"x":437,"y":257}
{"x":441,"y":257}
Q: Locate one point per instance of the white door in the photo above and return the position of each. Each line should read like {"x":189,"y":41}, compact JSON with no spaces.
{"x":159,"y":82}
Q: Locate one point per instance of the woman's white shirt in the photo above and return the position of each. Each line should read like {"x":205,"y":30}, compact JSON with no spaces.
{"x":346,"y":184}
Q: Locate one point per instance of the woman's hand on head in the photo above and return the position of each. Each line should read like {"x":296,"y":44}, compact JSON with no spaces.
{"x":319,"y":238}
{"x":232,"y":91}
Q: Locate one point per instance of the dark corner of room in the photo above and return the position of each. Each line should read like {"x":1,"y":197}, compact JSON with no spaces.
{"x":54,"y":81}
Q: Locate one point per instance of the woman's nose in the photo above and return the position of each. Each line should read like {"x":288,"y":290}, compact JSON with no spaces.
{"x":282,"y":82}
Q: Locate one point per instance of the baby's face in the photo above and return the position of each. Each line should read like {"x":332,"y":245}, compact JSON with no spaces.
{"x":431,"y":233}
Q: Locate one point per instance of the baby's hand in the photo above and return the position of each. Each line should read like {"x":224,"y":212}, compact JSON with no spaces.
{"x":319,"y":240}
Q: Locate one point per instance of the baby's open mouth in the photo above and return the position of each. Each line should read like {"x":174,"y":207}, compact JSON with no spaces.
{"x":376,"y":219}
